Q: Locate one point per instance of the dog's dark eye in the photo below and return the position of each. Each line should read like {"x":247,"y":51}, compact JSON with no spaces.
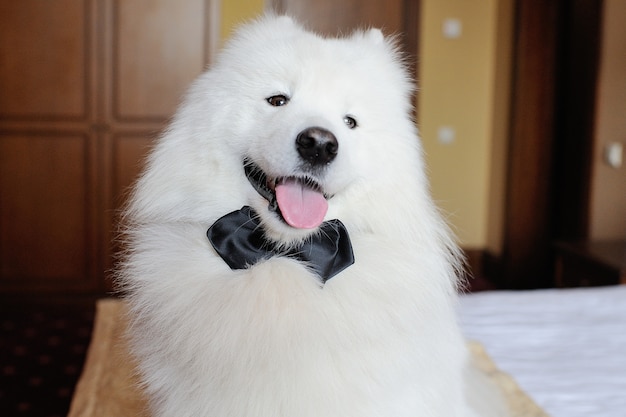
{"x":278,"y":100}
{"x":350,"y":122}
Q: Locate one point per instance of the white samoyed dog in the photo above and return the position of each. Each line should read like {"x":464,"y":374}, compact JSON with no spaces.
{"x":285,"y":257}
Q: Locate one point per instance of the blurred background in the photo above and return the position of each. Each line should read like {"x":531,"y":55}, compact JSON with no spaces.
{"x":521,"y":105}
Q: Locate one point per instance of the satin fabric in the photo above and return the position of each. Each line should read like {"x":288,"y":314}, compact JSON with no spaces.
{"x":240,"y":241}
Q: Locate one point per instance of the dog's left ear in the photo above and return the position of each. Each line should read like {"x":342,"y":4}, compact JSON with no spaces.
{"x":375,"y":36}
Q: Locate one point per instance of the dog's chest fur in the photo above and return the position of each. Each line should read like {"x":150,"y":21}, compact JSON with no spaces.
{"x":271,"y":340}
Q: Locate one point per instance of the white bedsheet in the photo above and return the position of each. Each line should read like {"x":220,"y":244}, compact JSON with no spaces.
{"x":565,"y":347}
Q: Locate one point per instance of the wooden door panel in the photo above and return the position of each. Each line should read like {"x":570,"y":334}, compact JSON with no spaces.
{"x":158,"y":49}
{"x":44,"y":63}
{"x":44,"y":215}
{"x":339,"y":17}
{"x":126,"y":160}
{"x":129,"y":152}
{"x":85,"y":86}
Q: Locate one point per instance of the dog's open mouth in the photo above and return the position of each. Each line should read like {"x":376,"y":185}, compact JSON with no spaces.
{"x":300,"y":201}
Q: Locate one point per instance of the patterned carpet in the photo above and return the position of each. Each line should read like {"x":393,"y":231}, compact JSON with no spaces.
{"x":42,"y":351}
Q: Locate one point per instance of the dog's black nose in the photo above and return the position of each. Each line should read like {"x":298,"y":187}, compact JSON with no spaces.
{"x":317,"y":146}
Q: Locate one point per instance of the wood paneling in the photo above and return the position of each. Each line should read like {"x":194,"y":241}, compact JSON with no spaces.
{"x":129,"y":152}
{"x":45,"y":231}
{"x":48,"y":165}
{"x":555,"y":69}
{"x":126,"y":158}
{"x":44,"y":65}
{"x":158,"y":49}
{"x":85,"y":88}
{"x":526,"y":251}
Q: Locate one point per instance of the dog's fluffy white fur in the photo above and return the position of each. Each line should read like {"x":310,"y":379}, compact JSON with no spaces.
{"x":378,"y":339}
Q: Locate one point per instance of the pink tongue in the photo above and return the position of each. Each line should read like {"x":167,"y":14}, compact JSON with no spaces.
{"x":301,"y":206}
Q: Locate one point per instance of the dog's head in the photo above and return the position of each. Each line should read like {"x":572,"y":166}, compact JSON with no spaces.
{"x":299,"y":127}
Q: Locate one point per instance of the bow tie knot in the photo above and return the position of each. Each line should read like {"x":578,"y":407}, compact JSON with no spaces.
{"x":240,"y":241}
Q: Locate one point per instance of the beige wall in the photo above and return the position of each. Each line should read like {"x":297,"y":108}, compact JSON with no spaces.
{"x":608,"y":187}
{"x":234,"y":12}
{"x":464,"y":84}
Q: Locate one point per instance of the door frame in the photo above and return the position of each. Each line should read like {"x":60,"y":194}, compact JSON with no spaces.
{"x":556,"y":60}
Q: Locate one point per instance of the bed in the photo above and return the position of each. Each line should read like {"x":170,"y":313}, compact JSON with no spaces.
{"x":566,"y":348}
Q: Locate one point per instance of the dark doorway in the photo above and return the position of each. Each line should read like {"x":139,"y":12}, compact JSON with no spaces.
{"x":553,"y":105}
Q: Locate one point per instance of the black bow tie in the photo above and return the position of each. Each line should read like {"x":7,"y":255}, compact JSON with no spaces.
{"x":239,"y":239}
